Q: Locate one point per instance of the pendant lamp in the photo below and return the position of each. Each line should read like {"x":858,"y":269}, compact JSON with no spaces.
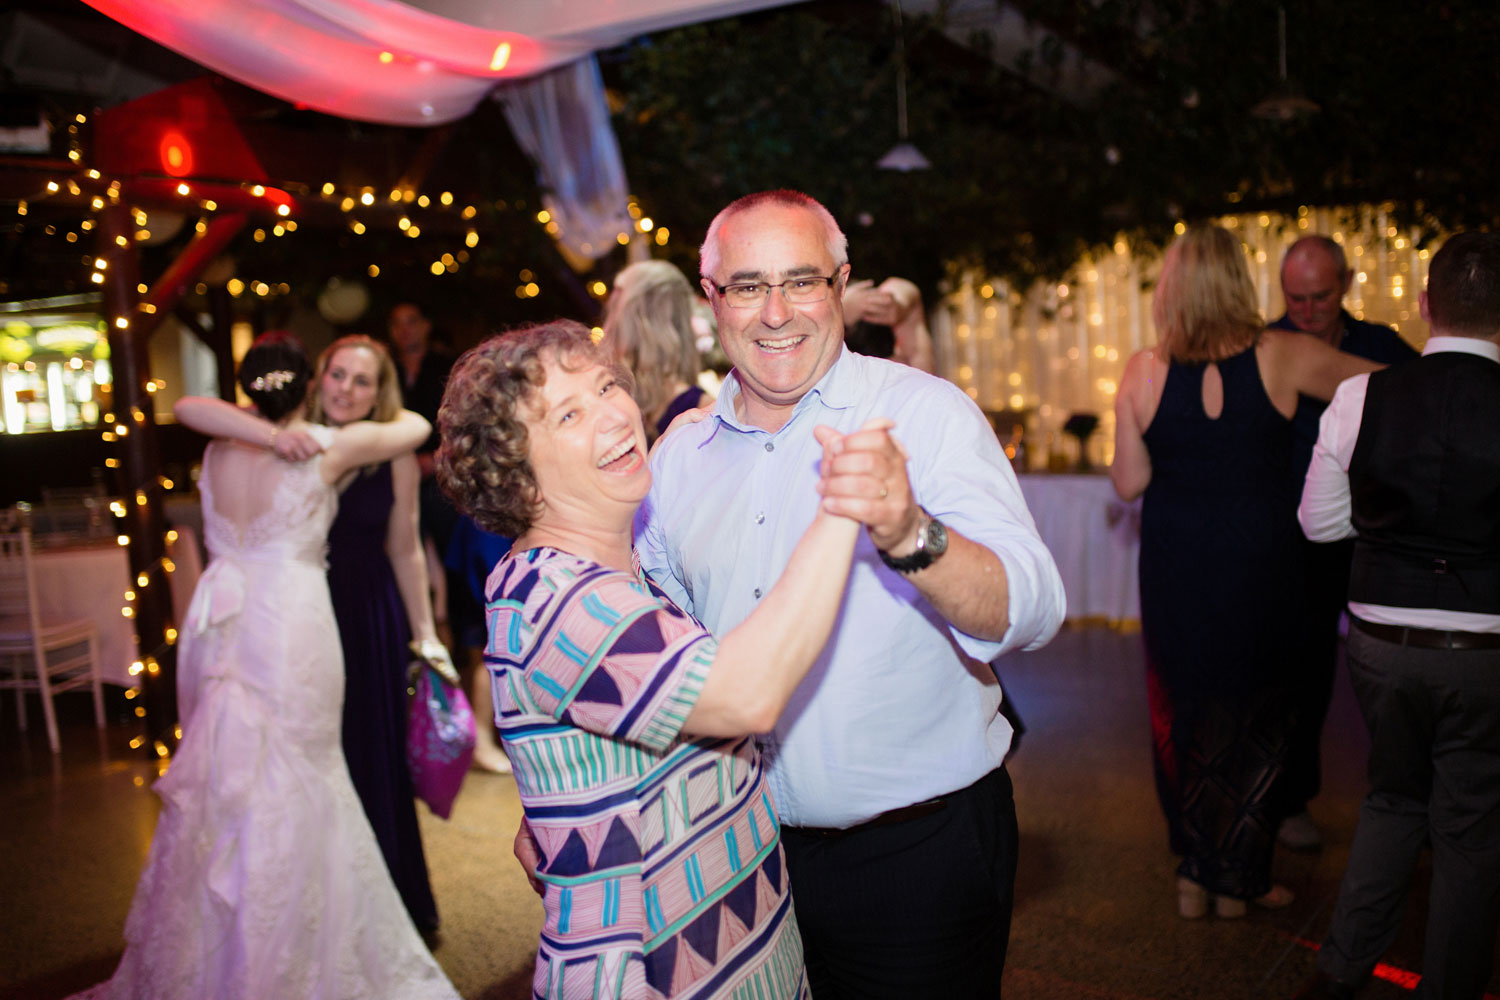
{"x":1285,"y":102}
{"x":903,"y":156}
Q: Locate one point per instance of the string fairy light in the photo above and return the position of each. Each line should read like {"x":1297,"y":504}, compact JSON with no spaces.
{"x":98,"y":191}
{"x":95,"y":193}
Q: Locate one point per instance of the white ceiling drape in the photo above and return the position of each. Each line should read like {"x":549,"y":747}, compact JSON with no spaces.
{"x":561,"y":120}
{"x":431,"y":61}
{"x":420,"y":63}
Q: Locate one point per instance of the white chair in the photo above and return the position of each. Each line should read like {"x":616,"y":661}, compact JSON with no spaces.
{"x":44,"y":656}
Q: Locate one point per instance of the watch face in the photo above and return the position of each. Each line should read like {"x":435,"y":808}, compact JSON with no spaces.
{"x":932,"y":541}
{"x":937,"y":538}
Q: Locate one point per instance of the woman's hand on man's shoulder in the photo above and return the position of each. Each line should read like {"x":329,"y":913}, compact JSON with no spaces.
{"x":683,"y":419}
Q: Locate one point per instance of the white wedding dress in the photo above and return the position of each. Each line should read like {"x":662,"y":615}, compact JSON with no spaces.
{"x":264,"y":881}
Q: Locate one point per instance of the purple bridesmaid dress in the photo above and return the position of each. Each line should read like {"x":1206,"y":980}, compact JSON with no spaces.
{"x":374,"y":630}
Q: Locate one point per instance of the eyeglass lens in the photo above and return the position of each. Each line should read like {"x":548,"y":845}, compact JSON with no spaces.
{"x":799,"y":291}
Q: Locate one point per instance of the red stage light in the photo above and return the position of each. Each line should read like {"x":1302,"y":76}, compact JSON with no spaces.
{"x":176,"y":154}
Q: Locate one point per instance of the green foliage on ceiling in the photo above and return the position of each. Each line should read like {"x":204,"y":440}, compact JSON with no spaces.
{"x":1022,"y":180}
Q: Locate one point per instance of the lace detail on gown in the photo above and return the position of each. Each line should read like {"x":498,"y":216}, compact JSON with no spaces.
{"x":301,"y":506}
{"x":264,"y":879}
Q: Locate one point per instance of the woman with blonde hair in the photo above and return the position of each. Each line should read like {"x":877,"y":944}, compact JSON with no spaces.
{"x":377,"y":577}
{"x":1203,"y":428}
{"x":341,"y":391}
{"x":648,"y":327}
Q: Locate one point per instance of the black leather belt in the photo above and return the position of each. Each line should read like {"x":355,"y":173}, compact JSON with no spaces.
{"x":887,"y":818}
{"x":1426,"y":638}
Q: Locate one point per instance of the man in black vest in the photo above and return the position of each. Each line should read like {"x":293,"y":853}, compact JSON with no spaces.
{"x":1408,"y":463}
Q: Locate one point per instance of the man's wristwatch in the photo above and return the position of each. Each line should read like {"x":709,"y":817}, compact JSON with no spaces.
{"x":932,"y":542}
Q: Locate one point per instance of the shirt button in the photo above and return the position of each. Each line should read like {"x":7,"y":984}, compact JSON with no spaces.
{"x":760,"y":519}
{"x":770,"y":446}
{"x":757,"y":593}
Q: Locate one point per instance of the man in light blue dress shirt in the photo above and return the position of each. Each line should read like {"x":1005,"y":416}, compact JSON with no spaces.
{"x":887,"y":766}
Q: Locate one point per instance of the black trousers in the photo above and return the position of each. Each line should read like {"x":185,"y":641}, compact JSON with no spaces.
{"x":1326,"y":570}
{"x":912,"y":910}
{"x":1434,"y":721}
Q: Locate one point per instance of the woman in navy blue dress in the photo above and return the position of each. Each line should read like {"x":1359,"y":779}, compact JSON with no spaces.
{"x":377,"y":577}
{"x":1203,"y":428}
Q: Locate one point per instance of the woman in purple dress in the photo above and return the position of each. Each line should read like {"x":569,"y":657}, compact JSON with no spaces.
{"x":377,"y":577}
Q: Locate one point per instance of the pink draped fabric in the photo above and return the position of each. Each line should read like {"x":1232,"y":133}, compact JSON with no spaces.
{"x":393,"y":62}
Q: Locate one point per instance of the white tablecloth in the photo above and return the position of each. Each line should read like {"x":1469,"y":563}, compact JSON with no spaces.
{"x":1095,"y":539}
{"x":90,"y":580}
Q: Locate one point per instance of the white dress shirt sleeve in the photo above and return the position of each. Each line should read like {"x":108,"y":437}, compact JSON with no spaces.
{"x":1325,"y":509}
{"x":961,"y":476}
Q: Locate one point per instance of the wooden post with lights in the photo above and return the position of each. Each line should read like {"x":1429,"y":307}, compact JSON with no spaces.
{"x":140,"y":464}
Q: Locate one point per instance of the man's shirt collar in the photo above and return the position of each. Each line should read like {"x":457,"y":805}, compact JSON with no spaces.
{"x":838,"y":389}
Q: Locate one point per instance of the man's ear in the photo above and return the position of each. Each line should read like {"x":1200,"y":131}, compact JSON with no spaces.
{"x":1348,"y":282}
{"x":1422,"y":307}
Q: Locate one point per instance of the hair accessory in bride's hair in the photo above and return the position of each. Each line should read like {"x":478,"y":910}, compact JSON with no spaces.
{"x":272,"y":380}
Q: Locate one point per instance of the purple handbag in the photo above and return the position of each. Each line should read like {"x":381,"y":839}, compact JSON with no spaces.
{"x":439,"y":739}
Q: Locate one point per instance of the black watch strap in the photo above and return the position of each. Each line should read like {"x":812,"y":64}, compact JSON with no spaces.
{"x":932,"y":542}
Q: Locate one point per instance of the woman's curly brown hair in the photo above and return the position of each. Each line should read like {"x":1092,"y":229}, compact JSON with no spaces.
{"x":483,"y":464}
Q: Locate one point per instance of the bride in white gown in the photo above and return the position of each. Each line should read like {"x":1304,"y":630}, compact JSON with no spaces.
{"x":264,"y":881}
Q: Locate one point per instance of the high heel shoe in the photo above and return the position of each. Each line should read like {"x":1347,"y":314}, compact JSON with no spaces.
{"x":1192,"y":899}
{"x":1229,"y":908}
{"x":1278,"y":897}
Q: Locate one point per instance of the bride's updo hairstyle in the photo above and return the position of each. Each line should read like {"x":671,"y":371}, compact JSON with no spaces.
{"x":274,"y":374}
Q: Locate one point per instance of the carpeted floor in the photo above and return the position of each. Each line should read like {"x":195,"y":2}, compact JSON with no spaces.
{"x":1095,"y":915}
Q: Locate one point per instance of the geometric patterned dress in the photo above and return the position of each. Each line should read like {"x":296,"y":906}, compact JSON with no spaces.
{"x":660,"y":855}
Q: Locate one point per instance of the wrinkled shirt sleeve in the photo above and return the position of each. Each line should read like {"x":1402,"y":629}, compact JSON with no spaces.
{"x":1326,"y":510}
{"x":616,"y":660}
{"x":651,"y":550}
{"x":961,"y":476}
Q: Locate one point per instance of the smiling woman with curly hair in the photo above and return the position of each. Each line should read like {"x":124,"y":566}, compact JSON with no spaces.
{"x":612,"y":701}
{"x":483,"y":464}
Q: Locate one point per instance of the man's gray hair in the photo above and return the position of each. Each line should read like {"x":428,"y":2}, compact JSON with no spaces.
{"x":838,"y":243}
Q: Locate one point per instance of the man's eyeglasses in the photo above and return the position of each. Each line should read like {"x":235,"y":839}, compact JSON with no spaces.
{"x":799,"y":291}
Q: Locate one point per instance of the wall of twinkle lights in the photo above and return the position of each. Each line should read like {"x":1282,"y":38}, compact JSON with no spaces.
{"x":1059,"y":348}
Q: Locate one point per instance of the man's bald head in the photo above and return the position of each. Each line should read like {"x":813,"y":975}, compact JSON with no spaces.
{"x":1315,"y":276}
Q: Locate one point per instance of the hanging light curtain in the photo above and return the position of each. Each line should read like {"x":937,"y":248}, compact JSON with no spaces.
{"x":561,"y":120}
